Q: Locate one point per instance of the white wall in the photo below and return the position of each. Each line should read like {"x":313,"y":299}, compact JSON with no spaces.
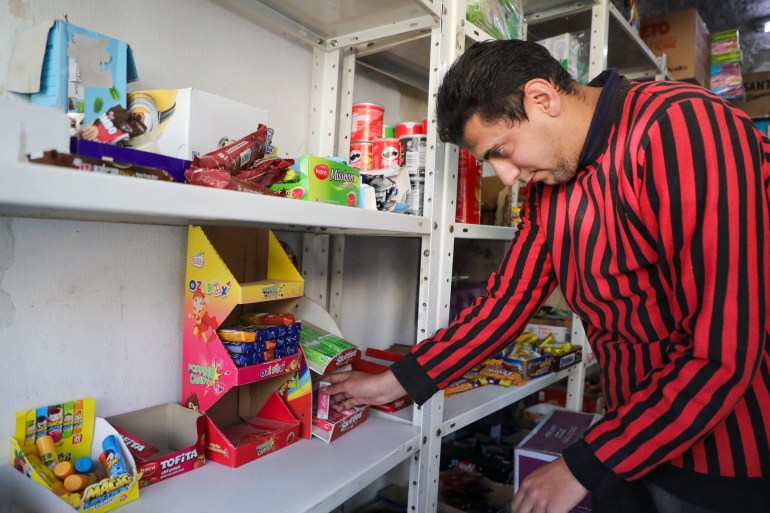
{"x":94,"y":309}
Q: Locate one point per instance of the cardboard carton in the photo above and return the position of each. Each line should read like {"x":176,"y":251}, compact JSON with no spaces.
{"x":684,"y":38}
{"x":78,"y":70}
{"x":546,"y":442}
{"x":165,"y":440}
{"x":757,"y":101}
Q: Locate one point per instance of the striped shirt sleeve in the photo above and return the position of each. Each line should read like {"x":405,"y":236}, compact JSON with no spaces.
{"x":514,"y":293}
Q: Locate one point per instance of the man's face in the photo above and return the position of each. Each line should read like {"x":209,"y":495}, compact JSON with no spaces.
{"x":528,"y":152}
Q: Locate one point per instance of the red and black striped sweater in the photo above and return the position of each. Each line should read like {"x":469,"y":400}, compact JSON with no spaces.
{"x":661,"y":245}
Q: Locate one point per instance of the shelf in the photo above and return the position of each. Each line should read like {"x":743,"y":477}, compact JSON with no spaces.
{"x":33,"y":190}
{"x":322,"y":474}
{"x":465,"y":408}
{"x":332,"y":24}
{"x":627,"y":52}
{"x":482,"y":231}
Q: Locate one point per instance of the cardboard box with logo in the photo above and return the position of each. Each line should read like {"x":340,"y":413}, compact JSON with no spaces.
{"x":757,"y":101}
{"x":253,"y":409}
{"x":684,"y":38}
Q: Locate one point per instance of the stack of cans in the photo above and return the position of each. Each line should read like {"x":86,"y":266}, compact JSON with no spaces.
{"x":261,"y":344}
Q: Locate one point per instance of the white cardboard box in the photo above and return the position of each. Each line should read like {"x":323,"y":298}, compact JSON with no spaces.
{"x":182,"y":123}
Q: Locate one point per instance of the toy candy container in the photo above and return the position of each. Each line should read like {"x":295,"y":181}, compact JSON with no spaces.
{"x":47,"y":451}
{"x":115,"y":464}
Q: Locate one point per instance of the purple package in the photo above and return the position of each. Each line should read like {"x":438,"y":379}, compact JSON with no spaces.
{"x":173,"y":166}
{"x":546,"y":442}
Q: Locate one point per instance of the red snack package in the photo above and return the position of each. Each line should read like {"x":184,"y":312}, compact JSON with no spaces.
{"x":266,"y":172}
{"x":267,"y":319}
{"x":218,"y":178}
{"x":237,"y":156}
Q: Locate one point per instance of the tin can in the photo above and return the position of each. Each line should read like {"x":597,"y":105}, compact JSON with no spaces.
{"x":415,"y":196}
{"x":361,"y":155}
{"x":388,"y":131}
{"x":366,"y":122}
{"x":385,"y":153}
{"x":412,"y":154}
{"x":408,"y":128}
{"x":468,"y":189}
{"x":425,"y":126}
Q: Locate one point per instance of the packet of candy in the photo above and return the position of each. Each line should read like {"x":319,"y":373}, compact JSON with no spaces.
{"x":115,"y":126}
{"x":240,"y":155}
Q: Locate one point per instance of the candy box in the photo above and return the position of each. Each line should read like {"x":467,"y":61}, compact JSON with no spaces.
{"x":323,"y":180}
{"x":324,"y":351}
{"x":546,"y":442}
{"x":183,"y":123}
{"x":567,"y":359}
{"x":77,"y":433}
{"x":165,"y":440}
{"x":530,"y":363}
{"x":78,"y":70}
{"x":250,"y":422}
{"x":372,"y":367}
{"x":339,"y":422}
{"x":120,"y":155}
{"x":255,"y":409}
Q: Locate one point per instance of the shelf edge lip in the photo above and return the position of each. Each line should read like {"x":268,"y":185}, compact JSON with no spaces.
{"x":480,"y":231}
{"x":506,"y":397}
{"x":40,"y":191}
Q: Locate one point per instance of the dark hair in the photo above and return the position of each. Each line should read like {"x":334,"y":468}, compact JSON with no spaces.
{"x":488,"y":80}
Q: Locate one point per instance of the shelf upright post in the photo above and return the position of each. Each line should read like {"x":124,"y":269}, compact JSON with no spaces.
{"x":600,"y":34}
{"x":447,"y":42}
{"x":323,"y":101}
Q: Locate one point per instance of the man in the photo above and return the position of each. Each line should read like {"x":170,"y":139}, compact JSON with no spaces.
{"x":647,"y":203}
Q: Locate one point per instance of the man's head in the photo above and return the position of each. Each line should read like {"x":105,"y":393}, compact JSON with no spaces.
{"x":488,"y":80}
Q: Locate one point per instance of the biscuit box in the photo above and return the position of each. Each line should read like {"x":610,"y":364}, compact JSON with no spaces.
{"x":165,"y":440}
{"x":322,"y":180}
{"x":78,"y":70}
{"x":546,"y":442}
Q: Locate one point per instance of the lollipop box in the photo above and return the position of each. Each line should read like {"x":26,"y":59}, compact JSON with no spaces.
{"x":165,"y":440}
{"x":77,"y":432}
{"x":251,"y":411}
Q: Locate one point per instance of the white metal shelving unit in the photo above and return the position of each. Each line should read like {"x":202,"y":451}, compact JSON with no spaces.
{"x":413,"y":41}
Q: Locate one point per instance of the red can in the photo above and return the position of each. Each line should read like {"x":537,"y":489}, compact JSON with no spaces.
{"x":408,"y":128}
{"x":361,"y":155}
{"x":468,"y":189}
{"x":385,"y":153}
{"x":425,"y":125}
{"x":366,"y":122}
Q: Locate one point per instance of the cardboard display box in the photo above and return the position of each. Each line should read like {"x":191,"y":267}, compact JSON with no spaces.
{"x":684,"y":38}
{"x":228,"y":271}
{"x":78,"y":70}
{"x":165,"y":440}
{"x":77,"y":432}
{"x":182,"y":123}
{"x":546,"y":442}
{"x":757,"y":101}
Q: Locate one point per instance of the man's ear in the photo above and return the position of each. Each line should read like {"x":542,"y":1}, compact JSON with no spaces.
{"x":541,"y":94}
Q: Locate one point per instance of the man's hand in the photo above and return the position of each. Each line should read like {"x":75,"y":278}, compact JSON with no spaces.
{"x":550,"y":489}
{"x":355,"y":388}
